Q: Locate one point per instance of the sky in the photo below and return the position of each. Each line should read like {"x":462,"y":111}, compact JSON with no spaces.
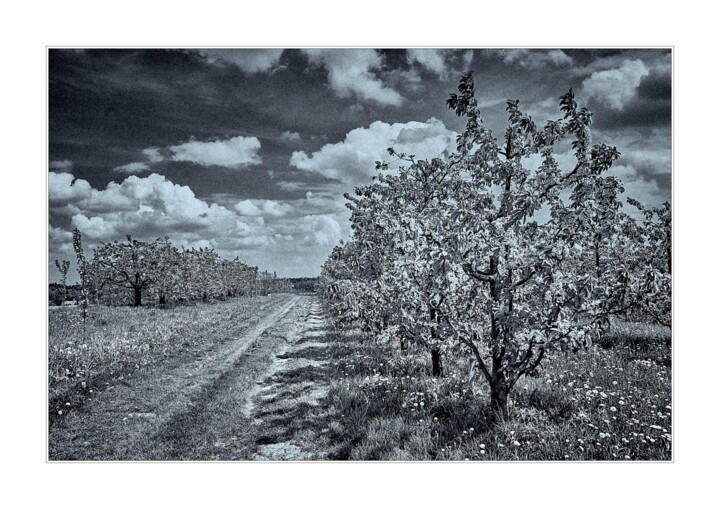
{"x":249,"y":151}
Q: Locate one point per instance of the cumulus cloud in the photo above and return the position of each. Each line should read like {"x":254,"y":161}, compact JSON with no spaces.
{"x":350,"y":74}
{"x":63,"y":165}
{"x":301,"y":232}
{"x":250,"y":61}
{"x":131,"y":168}
{"x":153,"y":206}
{"x":271,"y":208}
{"x":535,"y":59}
{"x":233,"y":152}
{"x":616,"y":87}
{"x":60,"y":242}
{"x":353,"y":160}
{"x":150,"y":206}
{"x":94,"y":227}
{"x":64,"y":187}
{"x":248,"y":208}
{"x":323,"y":230}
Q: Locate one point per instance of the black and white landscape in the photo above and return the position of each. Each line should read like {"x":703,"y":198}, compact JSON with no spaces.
{"x":360,"y":254}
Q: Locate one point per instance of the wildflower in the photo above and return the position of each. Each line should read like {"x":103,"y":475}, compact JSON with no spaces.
{"x":613,"y":409}
{"x":482,"y":446}
{"x":516,"y":443}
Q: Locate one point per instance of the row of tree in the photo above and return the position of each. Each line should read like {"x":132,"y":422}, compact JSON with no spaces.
{"x":135,"y":271}
{"x":502,"y":262}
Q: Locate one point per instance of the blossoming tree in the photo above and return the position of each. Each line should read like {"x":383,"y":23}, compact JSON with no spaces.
{"x":484,"y":251}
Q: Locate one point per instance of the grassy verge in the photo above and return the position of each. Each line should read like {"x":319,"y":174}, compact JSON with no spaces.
{"x":611,"y":402}
{"x":83,"y":359}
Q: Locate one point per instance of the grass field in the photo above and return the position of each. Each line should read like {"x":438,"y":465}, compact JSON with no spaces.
{"x":611,"y":402}
{"x":115,"y":341}
{"x":171,"y":384}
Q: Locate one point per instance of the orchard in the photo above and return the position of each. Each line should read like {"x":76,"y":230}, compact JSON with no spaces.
{"x":498,"y":261}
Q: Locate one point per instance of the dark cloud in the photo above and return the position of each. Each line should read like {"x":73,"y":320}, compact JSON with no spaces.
{"x":656,"y":87}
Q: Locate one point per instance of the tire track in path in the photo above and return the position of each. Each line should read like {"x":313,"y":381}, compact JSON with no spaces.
{"x":286,"y":406}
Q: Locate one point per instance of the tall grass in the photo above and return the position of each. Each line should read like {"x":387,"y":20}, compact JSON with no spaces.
{"x":116,"y":340}
{"x":610,"y":402}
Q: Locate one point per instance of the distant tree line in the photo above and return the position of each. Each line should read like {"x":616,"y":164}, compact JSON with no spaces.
{"x":138,"y":272}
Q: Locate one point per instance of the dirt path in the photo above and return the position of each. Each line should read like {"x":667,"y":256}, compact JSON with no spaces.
{"x":252,"y":397}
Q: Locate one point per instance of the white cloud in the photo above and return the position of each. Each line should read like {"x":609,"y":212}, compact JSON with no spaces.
{"x":535,"y":59}
{"x":323,"y":230}
{"x":616,"y":87}
{"x":63,"y":165}
{"x":153,"y":154}
{"x":62,"y":188}
{"x":350,"y":73}
{"x":234,"y":152}
{"x":302,"y":232}
{"x":149,"y":207}
{"x":432,"y":59}
{"x":248,"y":208}
{"x":650,"y":161}
{"x":353,"y":160}
{"x":271,"y":208}
{"x":276,"y":208}
{"x":249,"y":60}
{"x":94,"y":227}
{"x":59,"y":235}
{"x":132,"y":168}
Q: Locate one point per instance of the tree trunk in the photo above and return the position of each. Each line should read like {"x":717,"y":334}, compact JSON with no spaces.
{"x":138,"y":296}
{"x":499,"y":392}
{"x":437,"y":367}
{"x":162,"y":299}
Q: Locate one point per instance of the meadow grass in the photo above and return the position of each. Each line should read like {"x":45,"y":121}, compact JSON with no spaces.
{"x":609,"y":402}
{"x":83,"y":358}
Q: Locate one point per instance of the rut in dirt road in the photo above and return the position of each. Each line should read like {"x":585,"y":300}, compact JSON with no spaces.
{"x":286,"y":406}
